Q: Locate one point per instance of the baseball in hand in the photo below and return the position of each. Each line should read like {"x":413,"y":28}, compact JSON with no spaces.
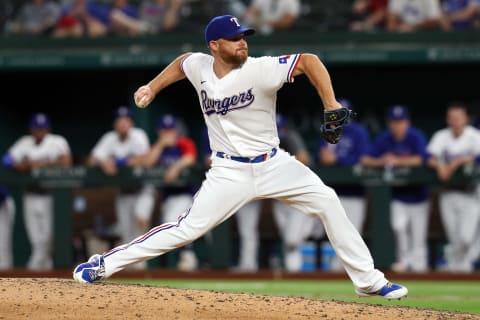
{"x":142,"y":96}
{"x":142,"y":103}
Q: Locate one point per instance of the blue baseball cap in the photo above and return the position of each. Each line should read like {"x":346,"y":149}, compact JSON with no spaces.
{"x":398,"y":112}
{"x":122,"y":111}
{"x":226,"y":26}
{"x":39,"y":120}
{"x":167,"y":121}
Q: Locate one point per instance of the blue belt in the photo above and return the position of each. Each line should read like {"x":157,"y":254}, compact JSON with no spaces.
{"x":257,"y":159}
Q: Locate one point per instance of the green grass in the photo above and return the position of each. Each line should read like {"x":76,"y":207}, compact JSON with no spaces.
{"x":459,"y":296}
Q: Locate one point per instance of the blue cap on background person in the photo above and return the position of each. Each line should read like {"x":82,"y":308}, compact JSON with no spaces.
{"x":122,"y":111}
{"x":39,"y":120}
{"x":225,"y":27}
{"x":167,"y":121}
{"x":398,"y":112}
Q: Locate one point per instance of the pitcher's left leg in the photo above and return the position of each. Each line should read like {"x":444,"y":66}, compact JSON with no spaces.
{"x":310,"y":195}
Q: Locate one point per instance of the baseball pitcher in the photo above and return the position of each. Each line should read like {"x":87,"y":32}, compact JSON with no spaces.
{"x":237,"y":96}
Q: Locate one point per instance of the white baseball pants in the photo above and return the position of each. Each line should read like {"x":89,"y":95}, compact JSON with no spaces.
{"x":460,"y":216}
{"x":228,"y":186}
{"x":7,"y":216}
{"x":294,"y":227}
{"x":130,"y":208}
{"x":356,"y":209}
{"x":409,"y":222}
{"x":38,"y":216}
{"x":248,"y":218}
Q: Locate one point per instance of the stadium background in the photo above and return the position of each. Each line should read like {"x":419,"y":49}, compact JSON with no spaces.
{"x":78,"y":82}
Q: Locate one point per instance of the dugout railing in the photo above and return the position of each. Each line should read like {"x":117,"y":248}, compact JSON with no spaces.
{"x":62,"y":182}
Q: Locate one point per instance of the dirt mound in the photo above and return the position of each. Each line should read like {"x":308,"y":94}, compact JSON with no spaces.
{"x":47,"y":298}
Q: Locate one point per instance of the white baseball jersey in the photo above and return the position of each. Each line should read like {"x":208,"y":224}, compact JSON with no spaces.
{"x":446,"y":147}
{"x":110,"y":145}
{"x":415,"y":11}
{"x":245,"y":134}
{"x":51,"y":148}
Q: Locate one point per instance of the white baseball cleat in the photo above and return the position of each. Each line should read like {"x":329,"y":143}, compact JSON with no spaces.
{"x":389,"y":291}
{"x":90,"y":271}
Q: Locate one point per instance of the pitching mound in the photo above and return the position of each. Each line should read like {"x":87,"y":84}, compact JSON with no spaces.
{"x":48,"y":298}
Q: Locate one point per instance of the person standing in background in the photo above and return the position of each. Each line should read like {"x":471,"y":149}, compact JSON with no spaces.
{"x":353,"y":145}
{"x":402,"y":145}
{"x":7,"y":216}
{"x":449,"y":149}
{"x":37,"y":150}
{"x":176,"y":153}
{"x":133,"y":204}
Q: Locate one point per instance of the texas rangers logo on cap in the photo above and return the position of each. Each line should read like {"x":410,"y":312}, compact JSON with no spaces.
{"x":226,"y":26}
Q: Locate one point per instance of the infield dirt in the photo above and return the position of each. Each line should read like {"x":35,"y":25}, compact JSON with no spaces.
{"x":51,"y":298}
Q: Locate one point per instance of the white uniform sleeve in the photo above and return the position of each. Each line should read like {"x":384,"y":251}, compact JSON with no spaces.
{"x":18,"y":150}
{"x":435,"y":146}
{"x":101,"y":151}
{"x":278,"y":70}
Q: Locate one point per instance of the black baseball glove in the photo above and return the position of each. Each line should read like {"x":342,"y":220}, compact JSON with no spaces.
{"x":333,"y":122}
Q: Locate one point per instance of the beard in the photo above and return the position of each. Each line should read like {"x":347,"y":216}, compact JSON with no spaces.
{"x":236,"y":59}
